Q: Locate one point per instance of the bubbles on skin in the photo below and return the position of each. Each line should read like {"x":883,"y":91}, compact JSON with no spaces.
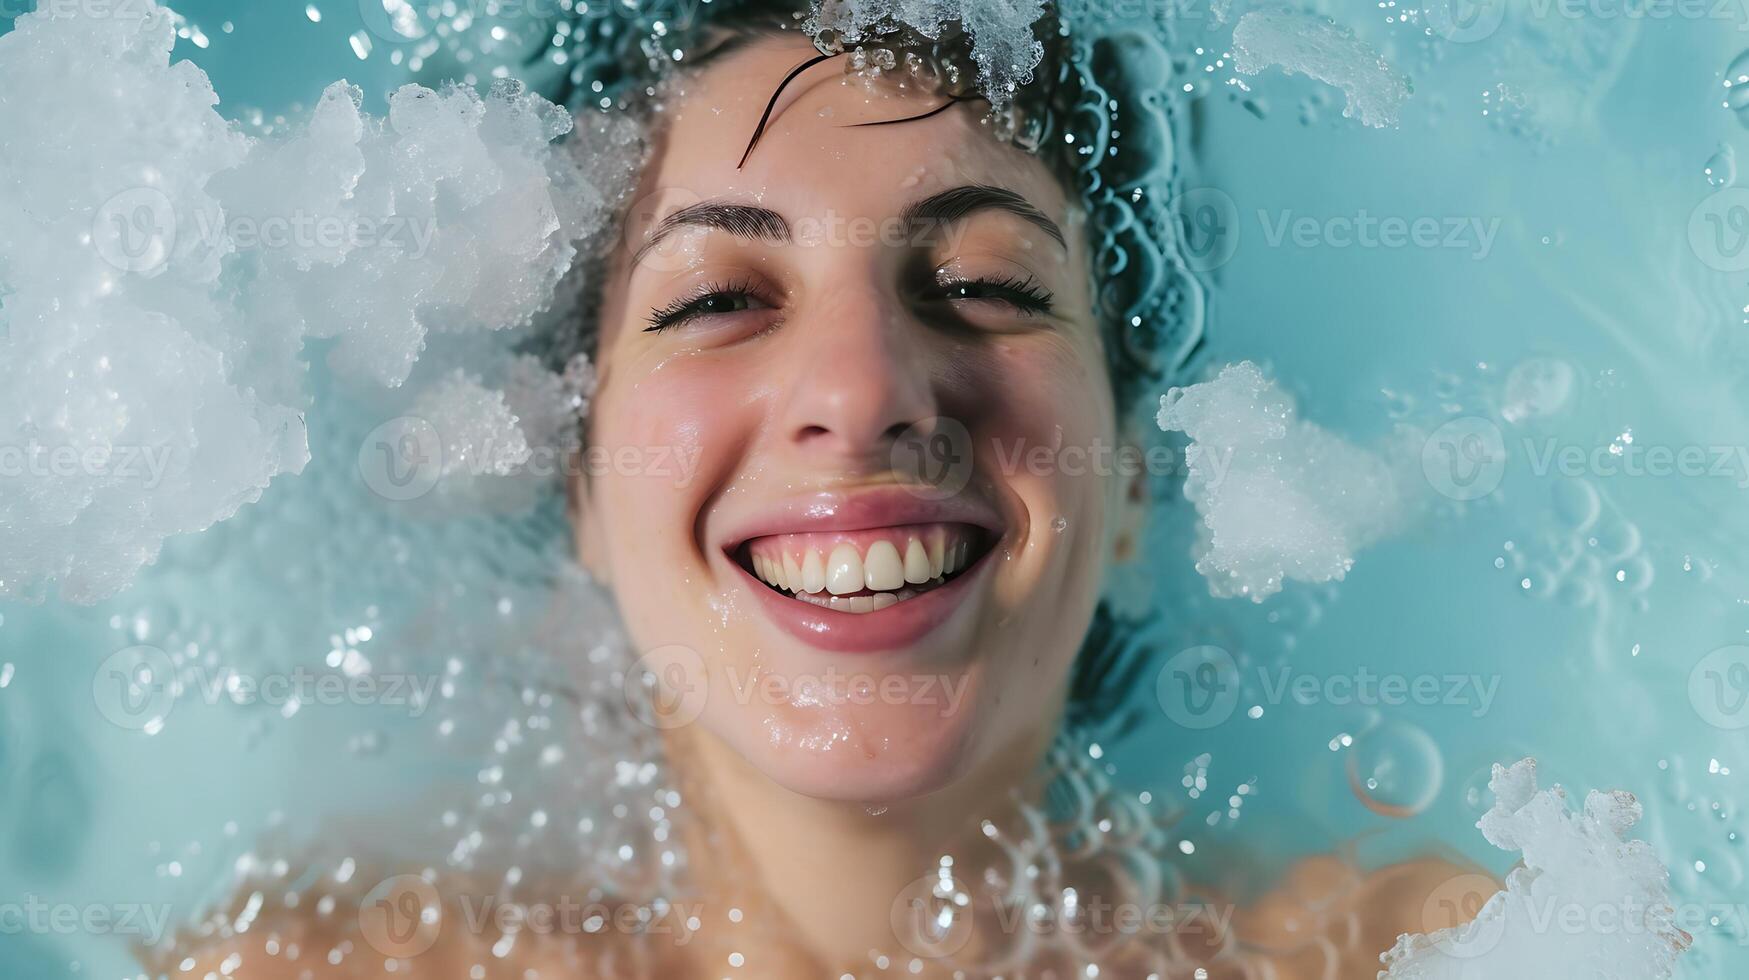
{"x":1073,"y":844}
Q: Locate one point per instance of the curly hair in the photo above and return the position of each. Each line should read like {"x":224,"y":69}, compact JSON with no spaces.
{"x":1098,"y":111}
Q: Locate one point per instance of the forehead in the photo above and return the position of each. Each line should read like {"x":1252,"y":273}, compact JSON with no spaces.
{"x":813,"y":156}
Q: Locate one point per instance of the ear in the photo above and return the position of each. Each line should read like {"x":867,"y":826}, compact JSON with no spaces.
{"x":583,"y":506}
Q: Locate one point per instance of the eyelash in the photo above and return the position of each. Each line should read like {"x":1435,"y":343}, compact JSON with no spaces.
{"x":1025,"y":295}
{"x":688,"y":308}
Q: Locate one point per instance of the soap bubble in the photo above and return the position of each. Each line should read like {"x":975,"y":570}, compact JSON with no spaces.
{"x":1395,"y":769}
{"x":1537,"y":387}
{"x":1577,"y":504}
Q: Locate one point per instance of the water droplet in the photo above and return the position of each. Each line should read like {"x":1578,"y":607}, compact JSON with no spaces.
{"x":1721,"y":167}
{"x":1395,"y":769}
{"x":1060,"y":525}
{"x":1737,"y":87}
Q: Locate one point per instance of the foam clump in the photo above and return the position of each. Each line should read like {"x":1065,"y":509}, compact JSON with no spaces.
{"x":161,"y":273}
{"x":444,"y":216}
{"x":498,"y":438}
{"x":1279,"y":498}
{"x":1314,"y":46}
{"x":1584,"y":902}
{"x":1003,"y":44}
{"x":123,"y":419}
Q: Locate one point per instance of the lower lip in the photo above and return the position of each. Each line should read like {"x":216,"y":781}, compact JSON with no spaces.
{"x":896,"y":627}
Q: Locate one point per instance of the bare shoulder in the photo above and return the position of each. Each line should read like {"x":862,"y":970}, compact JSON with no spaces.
{"x":1326,"y":914}
{"x":413,"y":925}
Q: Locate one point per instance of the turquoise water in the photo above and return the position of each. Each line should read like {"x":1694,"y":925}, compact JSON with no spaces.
{"x":1584,"y":292}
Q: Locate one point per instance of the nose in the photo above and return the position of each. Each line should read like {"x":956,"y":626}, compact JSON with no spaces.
{"x":864,"y":374}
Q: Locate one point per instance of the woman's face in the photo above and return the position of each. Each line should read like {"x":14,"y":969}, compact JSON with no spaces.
{"x":844,"y":479}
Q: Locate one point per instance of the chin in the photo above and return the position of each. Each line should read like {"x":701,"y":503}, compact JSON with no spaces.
{"x":874,"y":755}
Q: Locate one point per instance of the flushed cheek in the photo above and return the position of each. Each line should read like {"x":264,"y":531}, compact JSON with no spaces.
{"x":1052,"y":447}
{"x":668,"y":450}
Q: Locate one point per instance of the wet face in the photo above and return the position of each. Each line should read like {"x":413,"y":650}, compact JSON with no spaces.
{"x":839,"y":385}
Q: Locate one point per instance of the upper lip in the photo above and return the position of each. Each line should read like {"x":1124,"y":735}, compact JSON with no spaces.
{"x":860,"y":510}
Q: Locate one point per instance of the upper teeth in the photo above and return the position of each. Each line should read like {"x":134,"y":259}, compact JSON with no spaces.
{"x":885,"y":567}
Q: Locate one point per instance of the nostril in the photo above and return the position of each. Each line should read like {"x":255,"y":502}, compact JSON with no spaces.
{"x":897,"y":430}
{"x":808,"y":433}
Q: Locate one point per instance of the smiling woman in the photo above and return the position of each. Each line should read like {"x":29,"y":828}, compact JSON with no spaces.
{"x":840,"y":292}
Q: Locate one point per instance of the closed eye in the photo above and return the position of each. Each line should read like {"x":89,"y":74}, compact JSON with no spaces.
{"x":1024,"y":295}
{"x":708,"y":301}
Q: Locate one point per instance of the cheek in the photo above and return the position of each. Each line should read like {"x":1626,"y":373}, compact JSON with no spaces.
{"x":1046,"y":425}
{"x":1050,"y":419}
{"x":664,"y":442}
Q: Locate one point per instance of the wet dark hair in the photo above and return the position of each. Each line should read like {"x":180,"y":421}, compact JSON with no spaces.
{"x":1098,"y":113}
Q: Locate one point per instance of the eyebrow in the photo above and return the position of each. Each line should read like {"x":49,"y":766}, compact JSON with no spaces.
{"x":740,"y":220}
{"x":763,"y":224}
{"x":956,"y":203}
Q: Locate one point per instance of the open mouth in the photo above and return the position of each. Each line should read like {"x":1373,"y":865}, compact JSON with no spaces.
{"x":867,"y":570}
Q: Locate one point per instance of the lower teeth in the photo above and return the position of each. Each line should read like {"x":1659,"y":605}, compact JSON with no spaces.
{"x":864,"y":603}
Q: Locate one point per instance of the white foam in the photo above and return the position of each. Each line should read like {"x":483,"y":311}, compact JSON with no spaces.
{"x":1312,"y":45}
{"x":1279,"y":498}
{"x":1585,"y":902}
{"x":1001,"y":30}
{"x":161,"y":272}
{"x":122,"y":418}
